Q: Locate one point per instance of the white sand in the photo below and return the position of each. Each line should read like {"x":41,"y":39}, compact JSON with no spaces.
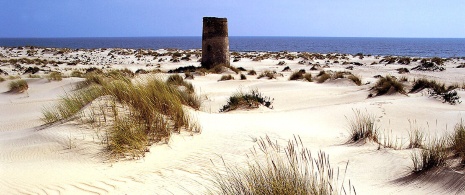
{"x":70,"y":159}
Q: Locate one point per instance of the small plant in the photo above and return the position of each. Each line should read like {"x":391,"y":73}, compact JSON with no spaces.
{"x":226,"y":77}
{"x":356,"y":79}
{"x":55,"y":76}
{"x":308,"y":77}
{"x":76,"y":73}
{"x":416,"y":136}
{"x":433,"y":155}
{"x":252,"y":72}
{"x":457,"y":141}
{"x":362,"y":126}
{"x":243,"y":77}
{"x":18,"y":86}
{"x":297,"y":75}
{"x":437,"y":90}
{"x":248,"y":100}
{"x":268,"y":74}
{"x":388,"y":84}
{"x":2,"y":79}
{"x":322,"y":77}
{"x":269,"y":171}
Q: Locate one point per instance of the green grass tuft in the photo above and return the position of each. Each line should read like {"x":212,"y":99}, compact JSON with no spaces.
{"x":248,"y":100}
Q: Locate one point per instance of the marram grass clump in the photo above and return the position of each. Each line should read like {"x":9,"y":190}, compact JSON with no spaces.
{"x":151,"y":111}
{"x":18,"y":86}
{"x":291,"y":170}
{"x":247,"y":100}
{"x":362,"y":127}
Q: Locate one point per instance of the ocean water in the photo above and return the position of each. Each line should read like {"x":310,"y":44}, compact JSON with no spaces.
{"x":419,"y":47}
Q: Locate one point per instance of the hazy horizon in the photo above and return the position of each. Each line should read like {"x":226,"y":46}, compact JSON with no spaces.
{"x":299,"y":18}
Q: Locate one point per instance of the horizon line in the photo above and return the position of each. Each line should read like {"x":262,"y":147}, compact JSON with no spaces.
{"x":71,"y":37}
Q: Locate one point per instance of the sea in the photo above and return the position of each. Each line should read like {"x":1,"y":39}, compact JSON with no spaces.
{"x":414,"y":47}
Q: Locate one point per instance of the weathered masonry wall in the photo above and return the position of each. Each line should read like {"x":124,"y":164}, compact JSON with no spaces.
{"x":215,"y":42}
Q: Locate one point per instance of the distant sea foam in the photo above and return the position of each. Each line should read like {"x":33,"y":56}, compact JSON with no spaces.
{"x":420,"y":47}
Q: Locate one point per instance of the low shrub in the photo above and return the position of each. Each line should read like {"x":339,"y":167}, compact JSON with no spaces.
{"x":2,"y":79}
{"x":18,"y":86}
{"x":249,"y":100}
{"x":243,"y":77}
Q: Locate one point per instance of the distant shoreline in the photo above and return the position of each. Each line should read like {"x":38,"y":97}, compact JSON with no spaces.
{"x":411,"y":47}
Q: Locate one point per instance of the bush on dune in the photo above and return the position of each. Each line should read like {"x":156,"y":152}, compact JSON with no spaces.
{"x":153,"y":109}
{"x":387,"y":85}
{"x":252,"y":99}
{"x":437,"y":90}
{"x":18,"y":86}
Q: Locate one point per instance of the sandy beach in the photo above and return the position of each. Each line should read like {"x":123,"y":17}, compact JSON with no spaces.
{"x":70,"y":157}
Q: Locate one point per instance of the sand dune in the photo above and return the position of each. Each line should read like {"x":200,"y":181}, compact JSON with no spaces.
{"x":70,"y":158}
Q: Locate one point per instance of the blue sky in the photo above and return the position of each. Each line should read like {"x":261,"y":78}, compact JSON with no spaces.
{"x":331,"y":18}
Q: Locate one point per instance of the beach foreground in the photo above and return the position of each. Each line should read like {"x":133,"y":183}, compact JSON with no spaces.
{"x":70,"y":157}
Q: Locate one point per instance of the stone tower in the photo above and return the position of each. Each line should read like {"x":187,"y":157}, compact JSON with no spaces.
{"x":215,"y":42}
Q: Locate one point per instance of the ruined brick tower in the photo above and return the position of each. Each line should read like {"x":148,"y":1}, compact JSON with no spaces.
{"x":215,"y":42}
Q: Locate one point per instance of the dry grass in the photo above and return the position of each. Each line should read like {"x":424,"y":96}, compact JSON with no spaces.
{"x":362,"y":126}
{"x":226,"y":77}
{"x":285,"y":171}
{"x":356,"y":79}
{"x":416,"y":136}
{"x":55,"y":76}
{"x":457,"y":141}
{"x":18,"y":86}
{"x":434,"y":154}
{"x":268,"y":74}
{"x":387,"y":85}
{"x":322,"y":77}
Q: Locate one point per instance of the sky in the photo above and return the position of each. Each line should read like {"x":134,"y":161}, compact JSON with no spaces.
{"x":309,"y":18}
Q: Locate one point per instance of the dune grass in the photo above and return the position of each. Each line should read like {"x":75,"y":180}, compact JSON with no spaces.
{"x":2,"y":79}
{"x":361,"y":126}
{"x":434,"y":154}
{"x":226,"y":78}
{"x":437,"y":90}
{"x":356,"y":79}
{"x":388,"y":84}
{"x":457,"y":141}
{"x":243,"y":77}
{"x":18,"y":86}
{"x":301,"y":75}
{"x":268,"y":74}
{"x":153,"y":110}
{"x":55,"y":76}
{"x":285,"y":171}
{"x":322,"y":77}
{"x":247,"y":100}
